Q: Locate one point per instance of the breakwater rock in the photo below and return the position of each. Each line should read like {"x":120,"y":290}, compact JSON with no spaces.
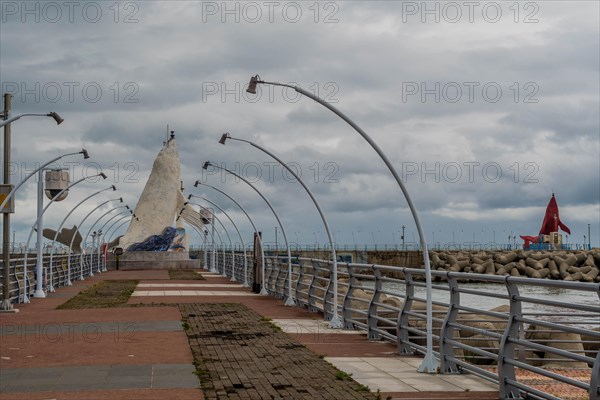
{"x":579,"y":266}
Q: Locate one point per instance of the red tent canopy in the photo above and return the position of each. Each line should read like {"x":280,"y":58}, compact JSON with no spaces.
{"x":552,"y":220}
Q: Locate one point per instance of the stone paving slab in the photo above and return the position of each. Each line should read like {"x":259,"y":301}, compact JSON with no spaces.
{"x":94,"y":348}
{"x":98,"y":377}
{"x":189,"y":285}
{"x":294,"y":326}
{"x":398,"y":374}
{"x":37,"y":312}
{"x":115,"y":394}
{"x":162,"y":293}
{"x":56,"y":331}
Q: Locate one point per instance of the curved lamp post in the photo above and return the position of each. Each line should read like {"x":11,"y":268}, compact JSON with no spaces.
{"x":263,"y":290}
{"x":39,"y":263}
{"x":52,"y":114}
{"x":115,"y":223}
{"x":57,"y":196}
{"x":196,"y":223}
{"x":245,"y":284}
{"x":194,"y":227}
{"x":222,"y":244}
{"x":81,"y":256}
{"x":101,"y":236}
{"x":69,"y":283}
{"x":290,"y":300}
{"x":232,"y":248}
{"x":13,"y":191}
{"x":429,"y":363}
{"x":113,"y":187}
{"x":86,"y":217}
{"x":117,"y":229}
{"x":6,"y":121}
{"x":202,"y":234}
{"x":99,"y":233}
{"x":336,"y":322}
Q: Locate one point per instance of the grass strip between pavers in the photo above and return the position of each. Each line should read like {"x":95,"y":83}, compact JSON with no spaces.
{"x":185,"y":275}
{"x":105,"y":294}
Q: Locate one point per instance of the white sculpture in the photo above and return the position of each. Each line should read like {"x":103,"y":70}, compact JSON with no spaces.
{"x":161,"y":201}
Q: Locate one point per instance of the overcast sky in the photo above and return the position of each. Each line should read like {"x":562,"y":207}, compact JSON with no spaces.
{"x":484,"y":108}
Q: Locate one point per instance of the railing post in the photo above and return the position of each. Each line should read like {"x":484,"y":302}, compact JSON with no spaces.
{"x":299,"y":301}
{"x":272,"y":267}
{"x":311,"y":288}
{"x":447,"y":332}
{"x":328,"y":298}
{"x":346,"y":312}
{"x":401,"y":333}
{"x":507,"y":348}
{"x":278,"y":294}
{"x":595,"y":379}
{"x":371,"y":321}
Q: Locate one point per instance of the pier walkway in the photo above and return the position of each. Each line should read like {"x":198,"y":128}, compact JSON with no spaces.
{"x":202,"y":339}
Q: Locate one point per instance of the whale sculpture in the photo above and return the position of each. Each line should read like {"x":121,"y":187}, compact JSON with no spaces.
{"x":160,"y":201}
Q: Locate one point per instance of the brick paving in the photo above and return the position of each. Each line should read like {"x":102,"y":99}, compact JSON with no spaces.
{"x":240,"y":355}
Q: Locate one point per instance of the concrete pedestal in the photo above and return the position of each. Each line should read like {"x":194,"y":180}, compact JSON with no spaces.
{"x":132,"y":260}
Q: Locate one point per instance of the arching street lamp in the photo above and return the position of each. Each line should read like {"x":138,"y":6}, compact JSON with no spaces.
{"x":86,"y":217}
{"x":336,"y":322}
{"x":52,"y":115}
{"x":263,"y":290}
{"x":290,"y":300}
{"x":429,"y":363}
{"x":6,"y":121}
{"x":57,"y":196}
{"x":228,"y":238}
{"x":245,"y":284}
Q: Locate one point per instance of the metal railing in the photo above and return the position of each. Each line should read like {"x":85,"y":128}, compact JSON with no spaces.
{"x":21,"y":284}
{"x":496,"y":327}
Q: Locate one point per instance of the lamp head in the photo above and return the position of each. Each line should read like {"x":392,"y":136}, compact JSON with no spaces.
{"x":134,"y":216}
{"x":205,"y":165}
{"x":114,"y":188}
{"x":190,"y":196}
{"x":252,"y":85}
{"x":196,"y":184}
{"x":103,"y":175}
{"x":224,"y":137}
{"x":120,"y":199}
{"x":56,"y":117}
{"x":186,"y":203}
{"x":85,"y":154}
{"x":127,"y":207}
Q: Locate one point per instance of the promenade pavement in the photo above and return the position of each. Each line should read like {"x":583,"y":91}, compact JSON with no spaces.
{"x":245,"y":346}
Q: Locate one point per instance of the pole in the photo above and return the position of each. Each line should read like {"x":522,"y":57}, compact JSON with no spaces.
{"x":212,"y":244}
{"x":289,"y":301}
{"x":263,"y":290}
{"x":39,"y":266}
{"x":589,"y":236}
{"x":205,"y":234}
{"x":429,"y":363}
{"x":6,"y":304}
{"x":336,"y":322}
{"x":245,"y":284}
